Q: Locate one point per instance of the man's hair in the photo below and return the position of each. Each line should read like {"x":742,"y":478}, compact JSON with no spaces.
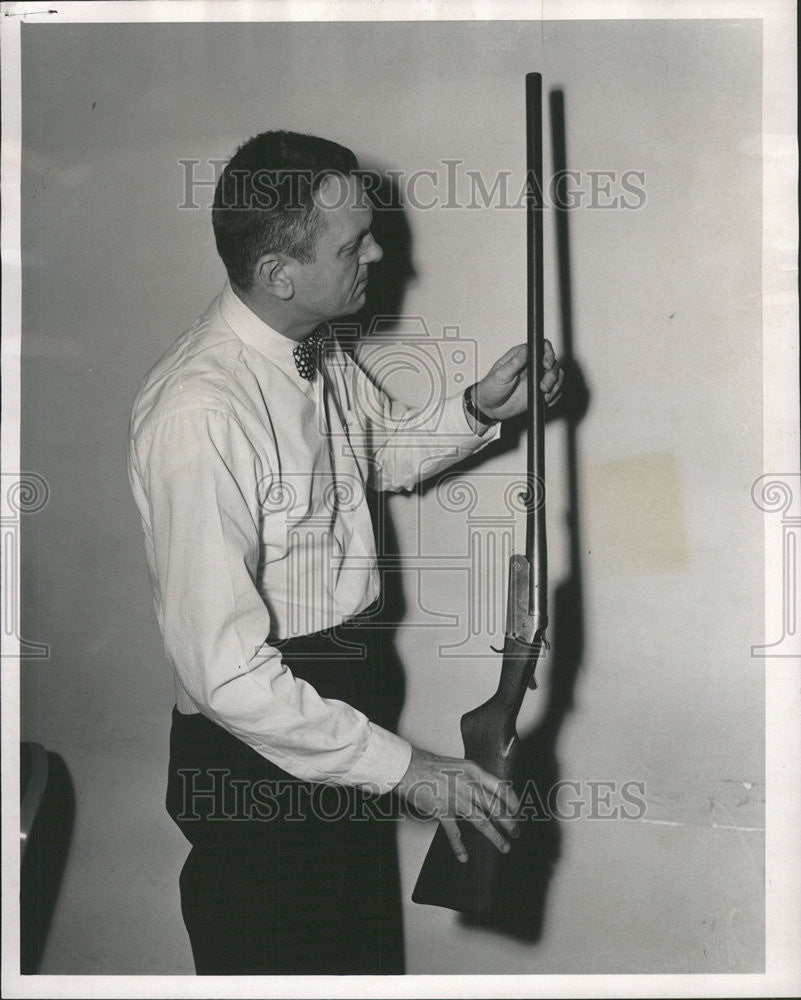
{"x":264,"y":199}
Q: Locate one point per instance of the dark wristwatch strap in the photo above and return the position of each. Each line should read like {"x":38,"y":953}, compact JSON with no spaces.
{"x":473,"y":410}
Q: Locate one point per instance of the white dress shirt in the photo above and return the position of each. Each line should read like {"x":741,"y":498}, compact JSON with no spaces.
{"x":250,"y":482}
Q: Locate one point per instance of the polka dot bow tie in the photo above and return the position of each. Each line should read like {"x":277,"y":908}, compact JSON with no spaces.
{"x":307,"y":354}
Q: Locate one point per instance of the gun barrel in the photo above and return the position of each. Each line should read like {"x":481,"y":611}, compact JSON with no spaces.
{"x":535,"y":457}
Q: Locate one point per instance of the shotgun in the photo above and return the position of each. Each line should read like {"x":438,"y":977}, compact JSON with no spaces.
{"x":488,"y":732}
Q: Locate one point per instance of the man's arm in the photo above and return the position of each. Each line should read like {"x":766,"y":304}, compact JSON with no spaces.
{"x":405,"y":446}
{"x":197,"y":477}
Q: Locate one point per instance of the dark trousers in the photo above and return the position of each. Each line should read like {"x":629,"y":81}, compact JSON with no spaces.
{"x":286,"y":876}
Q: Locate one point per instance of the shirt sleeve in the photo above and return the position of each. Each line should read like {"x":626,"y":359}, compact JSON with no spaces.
{"x":408,"y":444}
{"x":200,"y":476}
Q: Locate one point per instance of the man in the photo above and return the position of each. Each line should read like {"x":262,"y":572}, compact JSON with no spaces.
{"x":250,"y":452}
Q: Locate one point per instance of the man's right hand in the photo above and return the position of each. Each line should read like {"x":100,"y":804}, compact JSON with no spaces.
{"x":450,"y":788}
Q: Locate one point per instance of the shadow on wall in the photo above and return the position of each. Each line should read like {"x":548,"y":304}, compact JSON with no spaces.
{"x":392,"y":275}
{"x":45,"y":853}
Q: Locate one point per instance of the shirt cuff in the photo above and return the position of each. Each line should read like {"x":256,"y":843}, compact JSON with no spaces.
{"x":383,"y":763}
{"x":454,"y":421}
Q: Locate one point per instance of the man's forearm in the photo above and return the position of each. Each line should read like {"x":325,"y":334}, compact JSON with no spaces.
{"x":478,"y":421}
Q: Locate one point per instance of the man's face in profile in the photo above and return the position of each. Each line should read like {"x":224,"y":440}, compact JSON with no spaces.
{"x":335,"y":282}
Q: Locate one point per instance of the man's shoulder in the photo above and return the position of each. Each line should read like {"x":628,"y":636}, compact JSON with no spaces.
{"x":197,"y":371}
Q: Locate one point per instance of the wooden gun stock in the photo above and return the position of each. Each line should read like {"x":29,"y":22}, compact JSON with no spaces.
{"x":490,"y":738}
{"x":489,"y":731}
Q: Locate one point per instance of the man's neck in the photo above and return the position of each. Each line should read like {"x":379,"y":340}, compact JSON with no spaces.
{"x":278,"y":315}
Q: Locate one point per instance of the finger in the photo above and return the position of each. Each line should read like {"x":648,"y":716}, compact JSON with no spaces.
{"x":493,"y":798}
{"x":491,"y":832}
{"x":503,"y":808}
{"x":556,"y":391}
{"x":496,"y":790}
{"x":548,"y":356}
{"x":508,"y":825}
{"x":451,"y":829}
{"x":550,"y":380}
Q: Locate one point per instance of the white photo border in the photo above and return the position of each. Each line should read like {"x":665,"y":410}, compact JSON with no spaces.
{"x":781,"y":457}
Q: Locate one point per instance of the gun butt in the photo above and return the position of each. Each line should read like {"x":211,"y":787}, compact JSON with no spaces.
{"x":471,"y":886}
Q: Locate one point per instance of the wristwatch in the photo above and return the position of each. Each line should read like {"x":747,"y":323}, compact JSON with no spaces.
{"x":473,"y":410}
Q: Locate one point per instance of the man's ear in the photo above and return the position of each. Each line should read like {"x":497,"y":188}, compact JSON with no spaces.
{"x":273,"y":273}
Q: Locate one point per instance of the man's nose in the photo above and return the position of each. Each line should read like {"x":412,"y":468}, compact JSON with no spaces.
{"x":372,"y":252}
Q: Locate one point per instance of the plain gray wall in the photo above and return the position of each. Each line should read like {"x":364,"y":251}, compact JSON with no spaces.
{"x":666,"y":326}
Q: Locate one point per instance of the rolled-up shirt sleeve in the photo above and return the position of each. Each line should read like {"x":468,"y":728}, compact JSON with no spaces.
{"x":199,"y":477}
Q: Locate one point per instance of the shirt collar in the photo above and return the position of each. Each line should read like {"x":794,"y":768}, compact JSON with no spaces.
{"x":255,"y":332}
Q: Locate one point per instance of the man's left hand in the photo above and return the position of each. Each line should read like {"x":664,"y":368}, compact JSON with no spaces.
{"x":502,"y":392}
